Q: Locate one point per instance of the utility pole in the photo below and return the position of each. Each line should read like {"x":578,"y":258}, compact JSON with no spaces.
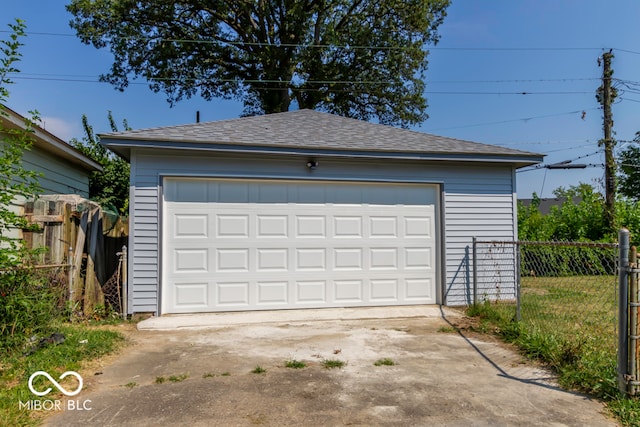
{"x":606,"y":99}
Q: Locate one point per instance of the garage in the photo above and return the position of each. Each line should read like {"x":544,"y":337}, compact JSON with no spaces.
{"x":305,"y":209}
{"x":232,"y":244}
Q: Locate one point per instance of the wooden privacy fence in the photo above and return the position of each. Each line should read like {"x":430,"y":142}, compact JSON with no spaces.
{"x":80,"y":235}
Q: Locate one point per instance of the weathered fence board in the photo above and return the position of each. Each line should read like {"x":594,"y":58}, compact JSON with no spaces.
{"x":70,"y":223}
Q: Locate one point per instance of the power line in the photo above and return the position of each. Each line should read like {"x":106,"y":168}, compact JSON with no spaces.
{"x":568,"y":79}
{"x":524,"y":119}
{"x":627,"y":51}
{"x":480,"y":49}
{"x":84,"y":80}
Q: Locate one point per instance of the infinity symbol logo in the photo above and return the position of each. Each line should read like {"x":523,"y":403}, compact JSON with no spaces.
{"x":55,"y":383}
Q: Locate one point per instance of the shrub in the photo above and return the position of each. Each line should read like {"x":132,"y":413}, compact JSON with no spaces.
{"x":29,"y":302}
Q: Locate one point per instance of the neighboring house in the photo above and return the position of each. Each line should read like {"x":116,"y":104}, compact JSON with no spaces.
{"x":63,"y":169}
{"x":546,"y":204}
{"x":308,"y":210}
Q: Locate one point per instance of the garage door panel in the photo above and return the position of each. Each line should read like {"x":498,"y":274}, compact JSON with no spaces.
{"x":384,"y":258}
{"x":384,"y":290}
{"x":310,"y":259}
{"x":270,"y":293}
{"x":232,"y":225}
{"x":347,"y":227}
{"x":230,"y":294}
{"x":418,"y":258}
{"x":191,"y":260}
{"x":419,"y":227}
{"x":310,"y":226}
{"x":348,"y":291}
{"x":287,"y":244}
{"x":272,"y":226}
{"x":190,"y":296}
{"x":417,"y":289}
{"x":232,"y":260}
{"x":311,"y":291}
{"x":348,"y":259}
{"x":274,"y":259}
{"x":383,"y":227}
{"x":190,"y":226}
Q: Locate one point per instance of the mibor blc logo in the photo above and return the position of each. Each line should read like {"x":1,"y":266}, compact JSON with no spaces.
{"x":55,"y":383}
{"x":55,"y":405}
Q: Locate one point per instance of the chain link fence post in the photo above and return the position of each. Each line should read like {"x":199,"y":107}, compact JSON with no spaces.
{"x":518,"y":256}
{"x":125,"y":283}
{"x":633,"y":322}
{"x":475,"y":270}
{"x":623,"y":309}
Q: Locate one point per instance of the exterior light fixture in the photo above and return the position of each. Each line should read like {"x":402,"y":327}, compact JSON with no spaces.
{"x":312,"y":164}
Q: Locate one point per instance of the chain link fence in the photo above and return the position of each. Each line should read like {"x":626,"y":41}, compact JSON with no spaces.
{"x":562,"y":290}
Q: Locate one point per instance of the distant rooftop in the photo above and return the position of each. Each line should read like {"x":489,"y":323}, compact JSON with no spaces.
{"x":546,"y":204}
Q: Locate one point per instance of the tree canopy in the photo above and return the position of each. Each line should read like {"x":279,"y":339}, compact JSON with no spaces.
{"x":629,"y":170}
{"x":16,"y":181}
{"x":363,"y":59}
{"x":111,"y":186}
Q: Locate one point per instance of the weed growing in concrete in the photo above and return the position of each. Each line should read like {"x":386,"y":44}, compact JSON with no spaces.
{"x":295,"y":364}
{"x":160,"y":380}
{"x":132,"y":384}
{"x":385,"y":362}
{"x":178,"y":378}
{"x":208,"y":375}
{"x":259,"y":370}
{"x":333,"y":363}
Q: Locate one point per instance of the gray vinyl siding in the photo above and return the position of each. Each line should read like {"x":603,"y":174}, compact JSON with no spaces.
{"x":57,"y":176}
{"x":477,"y":200}
{"x":144,"y":240}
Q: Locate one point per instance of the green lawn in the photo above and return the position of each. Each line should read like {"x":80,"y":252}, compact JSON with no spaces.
{"x":82,"y":343}
{"x":569,"y":323}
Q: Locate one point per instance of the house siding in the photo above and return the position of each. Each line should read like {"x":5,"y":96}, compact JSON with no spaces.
{"x":478,"y":200}
{"x":57,"y":176}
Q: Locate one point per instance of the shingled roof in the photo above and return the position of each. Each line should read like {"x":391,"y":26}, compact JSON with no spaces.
{"x":307,"y":130}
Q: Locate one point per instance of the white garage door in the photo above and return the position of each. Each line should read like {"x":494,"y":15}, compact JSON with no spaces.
{"x":232,"y":245}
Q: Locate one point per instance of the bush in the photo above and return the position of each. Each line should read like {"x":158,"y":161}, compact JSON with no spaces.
{"x":29,"y":302}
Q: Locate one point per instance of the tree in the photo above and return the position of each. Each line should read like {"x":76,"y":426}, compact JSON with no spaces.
{"x":16,"y":182}
{"x":110,"y":187}
{"x":629,"y":171}
{"x":362,"y":59}
{"x":580,"y":217}
{"x":28,"y":304}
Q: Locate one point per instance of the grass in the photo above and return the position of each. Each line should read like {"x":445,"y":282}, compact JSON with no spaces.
{"x":333,"y":363}
{"x":259,"y":370}
{"x":295,"y":364}
{"x":385,"y":362}
{"x":568,"y":323}
{"x":81,"y":344}
{"x":178,"y":378}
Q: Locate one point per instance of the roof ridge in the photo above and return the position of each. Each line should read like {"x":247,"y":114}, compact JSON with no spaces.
{"x":311,"y":129}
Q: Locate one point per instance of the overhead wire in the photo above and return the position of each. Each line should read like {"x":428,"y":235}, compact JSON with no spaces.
{"x":182,"y":40}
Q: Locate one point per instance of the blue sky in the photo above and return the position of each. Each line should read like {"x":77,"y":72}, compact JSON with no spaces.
{"x":490,"y":52}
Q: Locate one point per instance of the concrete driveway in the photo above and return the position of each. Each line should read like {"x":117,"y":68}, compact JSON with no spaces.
{"x":202,"y":376}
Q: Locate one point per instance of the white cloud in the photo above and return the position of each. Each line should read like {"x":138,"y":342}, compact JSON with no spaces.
{"x":60,"y":128}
